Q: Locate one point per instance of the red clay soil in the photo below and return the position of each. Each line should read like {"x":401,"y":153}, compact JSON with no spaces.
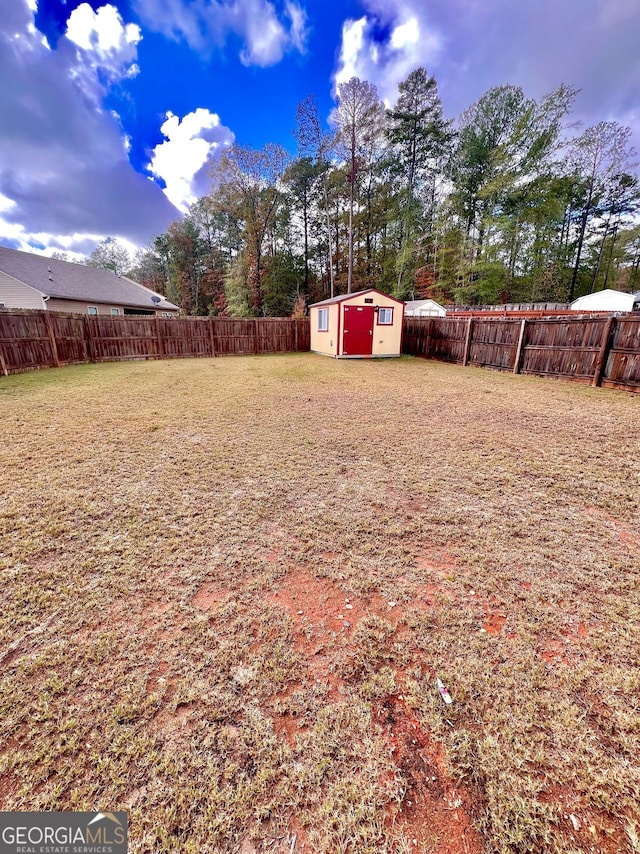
{"x":493,"y":620}
{"x":321,"y":614}
{"x":626,"y":537}
{"x":586,"y":827}
{"x":435,"y":812}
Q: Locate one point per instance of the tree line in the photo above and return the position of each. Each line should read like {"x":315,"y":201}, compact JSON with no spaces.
{"x":512,"y":204}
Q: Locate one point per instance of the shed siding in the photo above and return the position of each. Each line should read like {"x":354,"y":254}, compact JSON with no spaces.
{"x":15,"y":294}
{"x":325,"y":343}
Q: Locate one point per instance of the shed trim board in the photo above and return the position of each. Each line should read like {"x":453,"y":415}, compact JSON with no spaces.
{"x":354,"y":329}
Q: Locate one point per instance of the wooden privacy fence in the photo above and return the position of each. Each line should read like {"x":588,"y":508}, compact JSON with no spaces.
{"x":595,"y":349}
{"x":601,"y":350}
{"x":39,"y":339}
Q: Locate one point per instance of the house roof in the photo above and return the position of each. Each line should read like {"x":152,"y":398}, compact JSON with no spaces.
{"x":65,"y":280}
{"x":343,"y":297}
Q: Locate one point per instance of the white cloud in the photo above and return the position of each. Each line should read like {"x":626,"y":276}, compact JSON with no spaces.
{"x":205,"y":24}
{"x":190,"y":145}
{"x":298,"y":32}
{"x":406,"y":36}
{"x":77,"y":245}
{"x":64,"y":169}
{"x":385,"y":45}
{"x":265,"y":38}
{"x":104,"y":40}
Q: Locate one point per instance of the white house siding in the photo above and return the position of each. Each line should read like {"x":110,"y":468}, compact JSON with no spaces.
{"x":15,"y":294}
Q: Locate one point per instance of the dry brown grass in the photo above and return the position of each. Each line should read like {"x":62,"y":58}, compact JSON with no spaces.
{"x":180,"y":542}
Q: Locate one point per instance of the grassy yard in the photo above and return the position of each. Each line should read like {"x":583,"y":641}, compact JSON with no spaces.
{"x":229,"y":586}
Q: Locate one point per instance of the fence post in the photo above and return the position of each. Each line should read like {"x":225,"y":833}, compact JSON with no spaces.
{"x":212,"y":337}
{"x":467,"y":343}
{"x":159,"y":338}
{"x":295,"y":334}
{"x":255,"y":336}
{"x":604,"y":349}
{"x":520,"y":348}
{"x":89,"y":340}
{"x":3,"y":364}
{"x":52,"y":340}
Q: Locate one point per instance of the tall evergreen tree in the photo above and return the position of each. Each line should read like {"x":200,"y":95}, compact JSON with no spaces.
{"x":419,"y":136}
{"x":358,"y":116}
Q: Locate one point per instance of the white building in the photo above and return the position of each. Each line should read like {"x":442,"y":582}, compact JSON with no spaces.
{"x":424,"y":308}
{"x":608,"y":300}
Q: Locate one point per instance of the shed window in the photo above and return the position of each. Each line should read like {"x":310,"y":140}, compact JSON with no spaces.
{"x":92,"y":309}
{"x":115,"y":311}
{"x":323,"y":320}
{"x":385,"y":317}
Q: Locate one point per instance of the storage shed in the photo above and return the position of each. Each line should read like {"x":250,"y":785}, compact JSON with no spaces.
{"x":607,"y":300}
{"x":424,"y":308}
{"x":365,"y":324}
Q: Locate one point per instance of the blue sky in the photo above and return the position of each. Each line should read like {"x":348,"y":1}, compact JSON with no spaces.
{"x":112,"y":112}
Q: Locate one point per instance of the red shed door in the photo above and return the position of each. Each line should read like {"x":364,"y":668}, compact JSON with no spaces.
{"x":357,"y":339}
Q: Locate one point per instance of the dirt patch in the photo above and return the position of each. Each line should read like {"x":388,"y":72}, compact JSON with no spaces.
{"x":173,"y":726}
{"x":627,"y":536}
{"x":494,"y":620}
{"x":494,"y":623}
{"x":555,"y":652}
{"x":208,"y":597}
{"x":434,"y":813}
{"x":437,"y":561}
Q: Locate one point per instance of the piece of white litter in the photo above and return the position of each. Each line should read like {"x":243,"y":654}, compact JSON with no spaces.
{"x":443,"y":692}
{"x":392,"y":604}
{"x":349,"y":607}
{"x":575,"y":821}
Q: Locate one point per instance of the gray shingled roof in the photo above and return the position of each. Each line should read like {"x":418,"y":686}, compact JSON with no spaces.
{"x":64,"y":280}
{"x":342,"y":297}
